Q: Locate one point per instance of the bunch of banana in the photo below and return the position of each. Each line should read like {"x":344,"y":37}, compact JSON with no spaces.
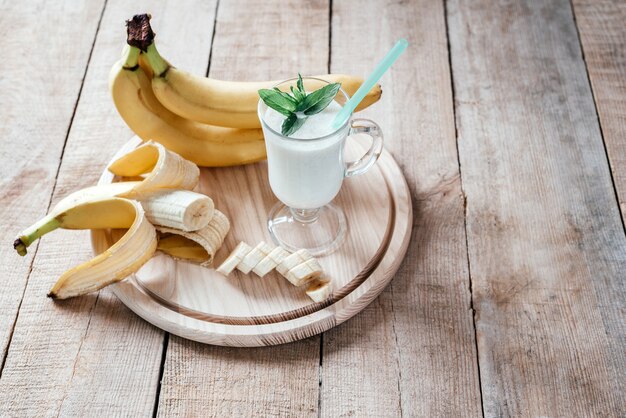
{"x":138,"y":212}
{"x":203,"y":144}
{"x":210,"y":122}
{"x":300,"y":268}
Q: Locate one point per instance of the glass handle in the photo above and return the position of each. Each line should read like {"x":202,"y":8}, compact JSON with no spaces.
{"x":370,"y":128}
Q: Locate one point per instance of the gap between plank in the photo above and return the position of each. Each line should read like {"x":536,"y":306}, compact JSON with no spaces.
{"x":328,"y":64}
{"x":54,"y":186}
{"x":595,"y":107}
{"x":166,"y":343}
{"x":395,"y":336}
{"x":208,"y":67}
{"x":320,"y":374}
{"x":458,"y":156}
{"x":330,"y":33}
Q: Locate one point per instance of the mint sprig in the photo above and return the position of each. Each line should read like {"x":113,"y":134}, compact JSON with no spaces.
{"x":298,"y":105}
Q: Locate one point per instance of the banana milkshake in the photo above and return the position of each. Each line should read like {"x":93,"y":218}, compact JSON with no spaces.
{"x":306,"y":169}
{"x":305,"y":161}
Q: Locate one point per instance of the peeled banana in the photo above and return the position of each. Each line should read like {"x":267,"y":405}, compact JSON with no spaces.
{"x":156,"y":201}
{"x":299,"y":268}
{"x":234,"y":258}
{"x":89,"y":211}
{"x":121,"y":259}
{"x":180,"y":209}
{"x":253,"y":257}
{"x":304,"y":272}
{"x":292,"y":261}
{"x":199,"y":246}
{"x":318,"y":290}
{"x":269,"y":263}
{"x":205,"y":145}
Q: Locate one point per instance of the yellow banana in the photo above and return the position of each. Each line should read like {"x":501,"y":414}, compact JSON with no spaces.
{"x":123,"y":258}
{"x":225,"y":103}
{"x":165,"y":169}
{"x":205,"y":145}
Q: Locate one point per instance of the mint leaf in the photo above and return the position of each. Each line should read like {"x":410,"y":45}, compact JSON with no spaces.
{"x":286,"y":96}
{"x":300,"y":85}
{"x":318,"y":100}
{"x":298,"y":103}
{"x":299,"y":96}
{"x":277,"y":101}
{"x":292,"y":124}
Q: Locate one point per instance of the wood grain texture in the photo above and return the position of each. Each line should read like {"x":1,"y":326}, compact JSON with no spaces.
{"x":222,"y":382}
{"x":603,"y":36}
{"x":91,"y":355}
{"x":412,"y":352}
{"x":254,"y":39}
{"x":546,"y":244}
{"x":37,"y":105}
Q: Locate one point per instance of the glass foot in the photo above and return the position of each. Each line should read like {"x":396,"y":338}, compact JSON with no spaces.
{"x":320,"y":231}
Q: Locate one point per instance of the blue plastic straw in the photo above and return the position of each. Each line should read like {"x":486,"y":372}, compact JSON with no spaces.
{"x":367,"y":85}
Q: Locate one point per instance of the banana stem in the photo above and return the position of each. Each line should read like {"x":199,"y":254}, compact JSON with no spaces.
{"x":131,"y":57}
{"x":158,"y":64}
{"x":34,"y":232}
{"x":141,"y":36}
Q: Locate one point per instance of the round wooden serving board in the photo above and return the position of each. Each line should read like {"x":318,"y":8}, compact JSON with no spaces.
{"x":244,"y":310}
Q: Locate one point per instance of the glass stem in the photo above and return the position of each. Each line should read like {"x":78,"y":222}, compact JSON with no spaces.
{"x":305,"y":216}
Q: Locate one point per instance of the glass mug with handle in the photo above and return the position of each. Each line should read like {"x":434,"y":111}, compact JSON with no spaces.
{"x":306,"y":171}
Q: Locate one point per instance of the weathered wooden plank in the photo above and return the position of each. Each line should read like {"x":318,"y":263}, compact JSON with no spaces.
{"x":546,"y":245}
{"x":204,"y":380}
{"x":37,"y":103}
{"x":412,"y":352}
{"x":199,"y":380}
{"x":92,"y":356}
{"x":603,"y":37}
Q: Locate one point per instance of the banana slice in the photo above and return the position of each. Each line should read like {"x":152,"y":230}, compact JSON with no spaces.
{"x":240,"y":251}
{"x":292,"y":261}
{"x":197,"y":246}
{"x":219,"y":224}
{"x":319,"y":290}
{"x":304,"y":272}
{"x":267,"y":264}
{"x":253,"y":257}
{"x":180,"y":209}
{"x":124,"y":257}
{"x":166,"y":169}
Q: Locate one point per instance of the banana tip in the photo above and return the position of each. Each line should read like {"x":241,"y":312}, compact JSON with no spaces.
{"x":20,"y":247}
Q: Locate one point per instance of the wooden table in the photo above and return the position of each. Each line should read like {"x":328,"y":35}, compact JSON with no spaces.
{"x":509,"y":121}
